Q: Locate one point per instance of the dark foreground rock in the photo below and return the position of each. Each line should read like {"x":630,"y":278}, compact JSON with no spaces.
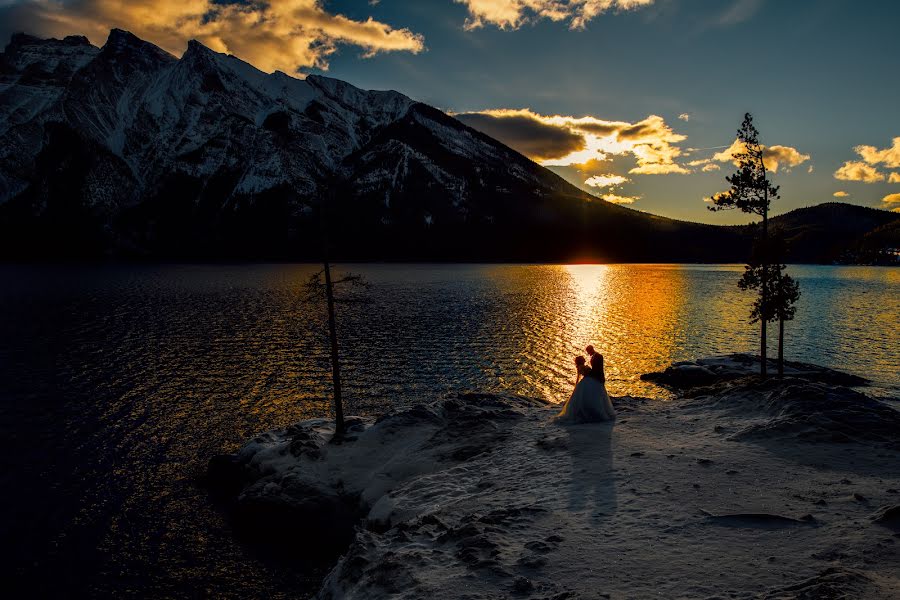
{"x":686,"y":375}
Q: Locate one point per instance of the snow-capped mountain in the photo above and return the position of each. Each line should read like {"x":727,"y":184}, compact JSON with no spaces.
{"x":151,"y":151}
{"x":128,"y":150}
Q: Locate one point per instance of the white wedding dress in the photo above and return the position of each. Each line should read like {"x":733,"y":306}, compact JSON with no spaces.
{"x":589,"y":403}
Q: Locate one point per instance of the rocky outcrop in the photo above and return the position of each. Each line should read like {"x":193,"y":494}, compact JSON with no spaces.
{"x":305,"y":481}
{"x":687,"y":375}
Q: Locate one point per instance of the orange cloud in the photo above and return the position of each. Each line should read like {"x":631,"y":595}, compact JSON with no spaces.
{"x":866,"y":170}
{"x":858,"y":171}
{"x":892,"y":202}
{"x":608,"y":180}
{"x":616,"y":199}
{"x":889,"y":157}
{"x":512,"y":14}
{"x":841,"y":194}
{"x":773,"y":156}
{"x":273,"y":35}
{"x":650,"y":141}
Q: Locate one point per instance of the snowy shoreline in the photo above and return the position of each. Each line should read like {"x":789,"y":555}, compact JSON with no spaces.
{"x":737,"y":488}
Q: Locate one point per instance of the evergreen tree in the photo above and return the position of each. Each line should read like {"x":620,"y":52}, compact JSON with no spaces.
{"x":752,"y":192}
{"x":782,"y":291}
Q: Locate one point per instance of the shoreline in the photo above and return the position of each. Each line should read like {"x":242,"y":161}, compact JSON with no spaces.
{"x":483,"y":494}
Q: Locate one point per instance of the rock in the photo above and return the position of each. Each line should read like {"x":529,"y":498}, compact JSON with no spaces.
{"x":305,"y":518}
{"x":704,"y":461}
{"x":682,"y":375}
{"x":226,"y":476}
{"x":762,"y":520}
{"x":686,"y":375}
{"x":888,"y":516}
{"x":522,"y":585}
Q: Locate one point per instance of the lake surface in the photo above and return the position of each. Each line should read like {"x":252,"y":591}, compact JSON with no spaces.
{"x":117,"y":383}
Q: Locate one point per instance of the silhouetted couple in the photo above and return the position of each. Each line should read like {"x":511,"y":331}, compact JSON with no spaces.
{"x":589,"y":402}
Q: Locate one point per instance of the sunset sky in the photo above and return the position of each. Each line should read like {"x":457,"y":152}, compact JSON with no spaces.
{"x":636,"y":101}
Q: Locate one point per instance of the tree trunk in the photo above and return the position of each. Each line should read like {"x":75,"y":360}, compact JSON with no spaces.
{"x":780,"y":347}
{"x":765,"y":272}
{"x":763,"y":346}
{"x":335,"y":363}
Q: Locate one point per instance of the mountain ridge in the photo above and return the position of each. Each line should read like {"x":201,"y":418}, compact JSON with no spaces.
{"x":127,"y":151}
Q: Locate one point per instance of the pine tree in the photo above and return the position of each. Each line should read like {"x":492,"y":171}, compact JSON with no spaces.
{"x":785,"y":293}
{"x":752,"y":192}
{"x":782,"y":291}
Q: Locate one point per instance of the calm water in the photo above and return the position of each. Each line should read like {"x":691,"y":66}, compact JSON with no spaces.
{"x":118,"y":383}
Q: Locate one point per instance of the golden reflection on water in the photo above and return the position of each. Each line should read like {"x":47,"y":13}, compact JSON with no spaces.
{"x":629,"y":314}
{"x":635,"y":315}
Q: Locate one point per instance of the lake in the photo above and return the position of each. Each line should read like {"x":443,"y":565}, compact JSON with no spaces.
{"x":119,"y":382}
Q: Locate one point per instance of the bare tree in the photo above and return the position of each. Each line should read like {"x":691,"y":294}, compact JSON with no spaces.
{"x":321,"y":286}
{"x":752,"y":192}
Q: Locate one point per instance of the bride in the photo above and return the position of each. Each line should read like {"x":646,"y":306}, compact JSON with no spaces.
{"x":589,"y":402}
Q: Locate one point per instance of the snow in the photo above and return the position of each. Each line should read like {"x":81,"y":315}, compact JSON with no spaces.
{"x":484,"y":496}
{"x":207,"y":114}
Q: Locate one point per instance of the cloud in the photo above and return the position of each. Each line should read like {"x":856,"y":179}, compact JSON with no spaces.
{"x":738,"y":12}
{"x":866,"y":170}
{"x":889,"y":157}
{"x":652,"y":143}
{"x":616,"y":199}
{"x":773,"y":156}
{"x":526,"y":133}
{"x":684,"y":117}
{"x":840,"y":194}
{"x":512,"y":14}
{"x":892,"y":202}
{"x":285,"y":35}
{"x":854,"y":170}
{"x":710,"y":167}
{"x":608,"y":180}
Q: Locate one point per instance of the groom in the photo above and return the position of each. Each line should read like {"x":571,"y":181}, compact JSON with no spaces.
{"x":595,"y":359}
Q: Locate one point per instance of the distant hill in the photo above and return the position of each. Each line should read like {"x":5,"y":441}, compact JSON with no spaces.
{"x":838,"y":232}
{"x":127,"y":151}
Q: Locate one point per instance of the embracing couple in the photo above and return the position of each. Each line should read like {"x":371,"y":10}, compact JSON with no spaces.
{"x":589,"y":402}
